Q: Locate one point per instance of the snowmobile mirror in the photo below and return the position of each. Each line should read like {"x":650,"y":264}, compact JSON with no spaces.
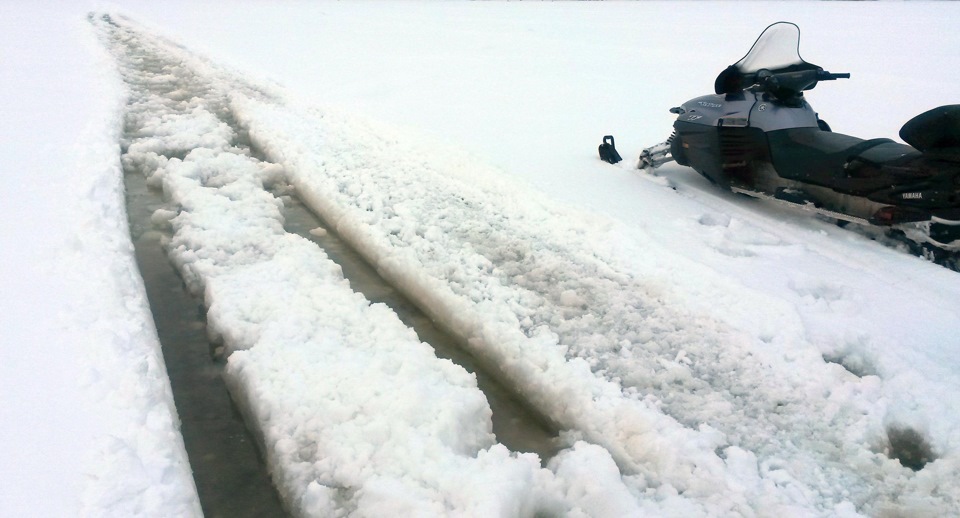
{"x":729,"y":81}
{"x":608,"y":151}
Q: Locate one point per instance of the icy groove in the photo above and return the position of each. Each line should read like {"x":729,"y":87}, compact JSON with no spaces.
{"x":222,"y":452}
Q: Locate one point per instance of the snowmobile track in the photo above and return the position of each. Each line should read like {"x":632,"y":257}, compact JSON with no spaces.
{"x":889,"y":237}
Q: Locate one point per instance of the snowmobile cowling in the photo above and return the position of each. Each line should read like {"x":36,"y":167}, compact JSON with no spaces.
{"x":758,"y":135}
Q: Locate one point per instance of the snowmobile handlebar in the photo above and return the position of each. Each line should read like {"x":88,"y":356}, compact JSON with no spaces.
{"x":789,"y":84}
{"x":823,"y":75}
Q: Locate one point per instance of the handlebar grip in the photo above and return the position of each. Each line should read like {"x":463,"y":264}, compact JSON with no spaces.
{"x":827,"y":76}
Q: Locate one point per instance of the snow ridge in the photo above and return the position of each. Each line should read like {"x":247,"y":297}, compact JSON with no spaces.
{"x":141,"y":467}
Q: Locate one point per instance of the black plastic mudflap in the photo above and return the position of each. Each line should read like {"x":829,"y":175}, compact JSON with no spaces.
{"x":608,"y":151}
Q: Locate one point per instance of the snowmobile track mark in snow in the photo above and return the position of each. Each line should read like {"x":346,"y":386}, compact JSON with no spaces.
{"x":231,"y":478}
{"x":515,"y":422}
{"x":682,"y":371}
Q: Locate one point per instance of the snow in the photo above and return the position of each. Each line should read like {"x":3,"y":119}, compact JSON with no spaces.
{"x":89,"y":422}
{"x":705,"y":354}
{"x":355,"y":414}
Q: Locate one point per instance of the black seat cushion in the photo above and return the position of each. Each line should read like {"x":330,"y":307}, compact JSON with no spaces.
{"x":935,"y":129}
{"x":821,"y":157}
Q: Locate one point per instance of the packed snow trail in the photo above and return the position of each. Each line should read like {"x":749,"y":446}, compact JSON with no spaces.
{"x":356,"y":415}
{"x":700,"y":417}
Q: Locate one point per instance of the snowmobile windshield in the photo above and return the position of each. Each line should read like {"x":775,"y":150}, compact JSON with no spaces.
{"x":776,"y":50}
{"x":778,"y":47}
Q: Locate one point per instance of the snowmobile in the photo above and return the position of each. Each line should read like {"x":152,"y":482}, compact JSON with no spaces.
{"x":758,"y":136}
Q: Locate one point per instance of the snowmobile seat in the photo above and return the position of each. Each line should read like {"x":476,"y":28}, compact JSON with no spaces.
{"x":934,"y":129}
{"x":821,"y":157}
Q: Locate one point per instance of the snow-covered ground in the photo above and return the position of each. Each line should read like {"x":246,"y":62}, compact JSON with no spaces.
{"x":89,"y":426}
{"x":707,"y":355}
